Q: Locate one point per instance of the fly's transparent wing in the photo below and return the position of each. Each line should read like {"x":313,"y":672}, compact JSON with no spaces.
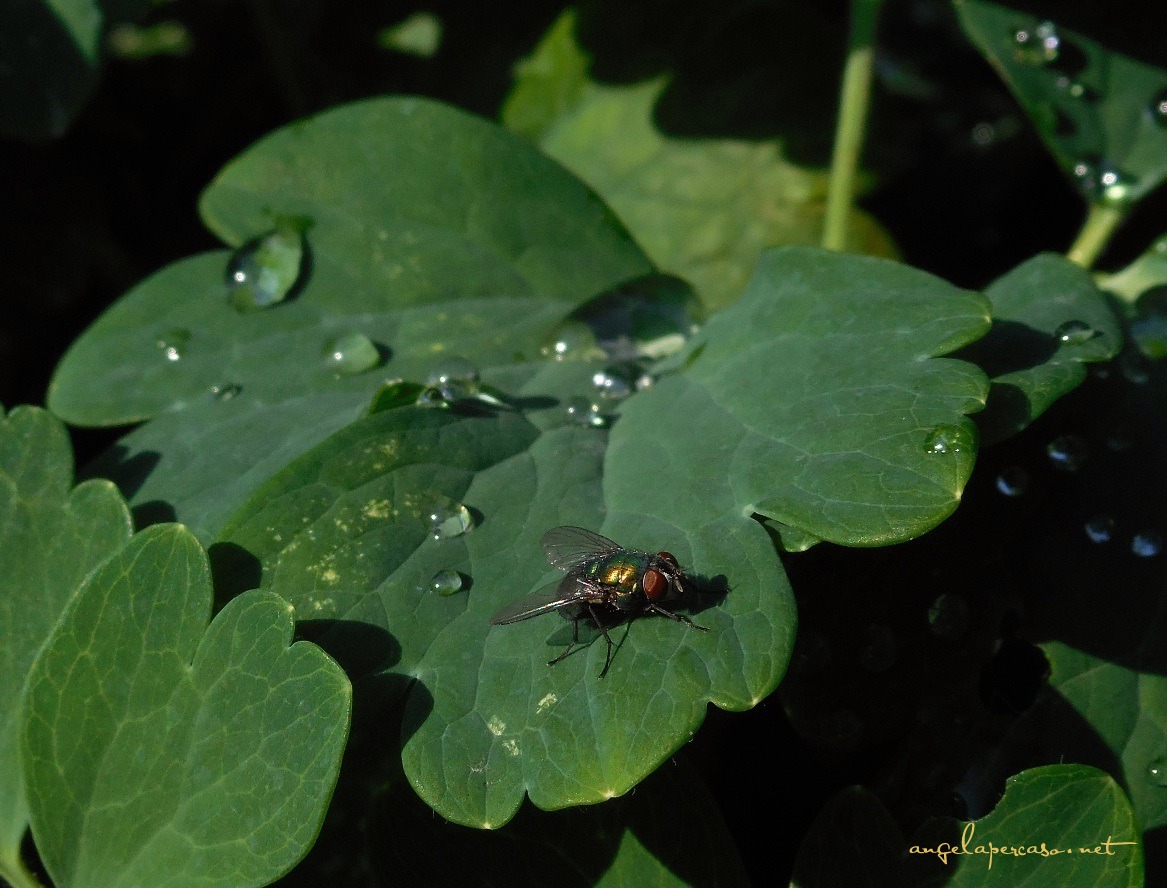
{"x":569,"y":547}
{"x":553,"y":596}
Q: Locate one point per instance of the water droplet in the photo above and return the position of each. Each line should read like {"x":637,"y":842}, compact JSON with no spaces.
{"x":449,"y":519}
{"x":351,"y":353}
{"x":1013,"y":481}
{"x":1100,"y":529}
{"x":225,"y":392}
{"x":1075,"y":332}
{"x":446,"y":582}
{"x":949,"y":616}
{"x":644,"y":381}
{"x":1159,"y":107}
{"x":264,"y":270}
{"x":1067,"y":452}
{"x":879,"y":648}
{"x":609,"y":384}
{"x":1038,"y":45}
{"x":1147,"y":543}
{"x":453,"y":369}
{"x":172,"y":343}
{"x":572,"y":341}
{"x":581,"y":411}
{"x":1157,"y":771}
{"x":947,"y":439}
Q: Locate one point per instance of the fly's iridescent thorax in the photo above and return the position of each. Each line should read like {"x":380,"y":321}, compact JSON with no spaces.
{"x":621,"y":574}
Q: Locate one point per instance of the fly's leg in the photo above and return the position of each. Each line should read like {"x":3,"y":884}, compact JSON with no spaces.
{"x":574,"y":642}
{"x":607,"y":638}
{"x":679,"y":618}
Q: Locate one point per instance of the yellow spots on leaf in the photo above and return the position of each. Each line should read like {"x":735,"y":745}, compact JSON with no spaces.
{"x":511,"y":746}
{"x":330,"y":576}
{"x":377,"y":509}
{"x":496,"y":725}
{"x":549,"y":700}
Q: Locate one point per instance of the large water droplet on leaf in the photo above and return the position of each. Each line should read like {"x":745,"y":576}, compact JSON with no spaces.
{"x":263,"y":271}
{"x":449,"y":519}
{"x":351,"y":353}
{"x":1067,"y":452}
{"x":446,"y":582}
{"x":1075,"y":333}
{"x":947,"y":439}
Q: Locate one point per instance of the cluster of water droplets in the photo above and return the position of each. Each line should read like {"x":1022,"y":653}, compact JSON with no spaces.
{"x":173,"y":343}
{"x":946,"y":439}
{"x":1039,"y":45}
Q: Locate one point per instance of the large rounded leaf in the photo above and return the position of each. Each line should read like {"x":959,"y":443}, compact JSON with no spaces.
{"x":50,"y":538}
{"x":817,"y":400}
{"x":431,"y":233}
{"x":344,"y":533}
{"x":159,"y":750}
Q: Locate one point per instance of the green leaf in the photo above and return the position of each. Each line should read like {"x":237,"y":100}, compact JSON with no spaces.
{"x":1147,"y":273}
{"x":1049,"y":321}
{"x":433,"y":233}
{"x":344,"y":534}
{"x":48,"y":64}
{"x":1096,"y":110}
{"x":821,"y":403}
{"x":703,"y":209}
{"x":852,"y":843}
{"x":668,"y":834}
{"x":160,"y":751}
{"x":1128,"y":711}
{"x":50,"y":538}
{"x":1071,"y":810}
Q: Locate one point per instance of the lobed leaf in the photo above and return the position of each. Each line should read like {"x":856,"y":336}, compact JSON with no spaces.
{"x":1049,"y":321}
{"x":159,"y":750}
{"x":51,"y":536}
{"x":433,"y":234}
{"x":1097,"y":110}
{"x":703,"y":209}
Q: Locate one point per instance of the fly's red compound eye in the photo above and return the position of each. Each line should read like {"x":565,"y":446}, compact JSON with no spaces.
{"x":668,"y":559}
{"x":654,"y":583}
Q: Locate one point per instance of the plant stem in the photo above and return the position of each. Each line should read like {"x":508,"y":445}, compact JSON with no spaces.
{"x":853,"y":103}
{"x":16,"y":874}
{"x":1100,"y":224}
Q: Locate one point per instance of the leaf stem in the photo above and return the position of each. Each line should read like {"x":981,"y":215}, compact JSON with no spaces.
{"x":1100,"y":225}
{"x":16,"y":874}
{"x":853,"y":102}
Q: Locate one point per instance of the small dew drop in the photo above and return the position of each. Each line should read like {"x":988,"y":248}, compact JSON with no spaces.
{"x":453,"y":370}
{"x":172,"y":343}
{"x":446,"y":582}
{"x":644,"y":381}
{"x":1067,"y":452}
{"x":262,"y":272}
{"x":1039,"y":45}
{"x":878,"y":652}
{"x":1099,"y":529}
{"x":1159,"y":108}
{"x":225,"y":392}
{"x":1147,"y":543}
{"x":1075,"y":332}
{"x":1157,"y":771}
{"x":449,"y":519}
{"x":351,"y":353}
{"x":583,"y":412}
{"x":946,"y":439}
{"x":1013,"y":481}
{"x":610,"y":385}
{"x":948,"y":616}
